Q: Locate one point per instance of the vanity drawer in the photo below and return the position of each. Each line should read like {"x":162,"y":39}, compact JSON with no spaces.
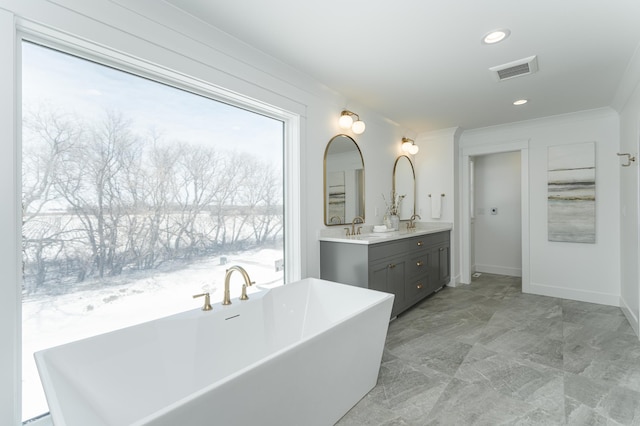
{"x":411,"y":246}
{"x":417,"y":288}
{"x":437,"y":238}
{"x":418,"y":264}
{"x":383,"y":250}
{"x":425,"y":241}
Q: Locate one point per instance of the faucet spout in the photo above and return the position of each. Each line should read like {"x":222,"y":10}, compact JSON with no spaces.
{"x":227,"y":281}
{"x":356,"y":220}
{"x":412,"y":224}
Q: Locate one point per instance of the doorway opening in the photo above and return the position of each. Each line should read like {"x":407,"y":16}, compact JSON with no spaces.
{"x":467,"y":166}
{"x":496,"y":218}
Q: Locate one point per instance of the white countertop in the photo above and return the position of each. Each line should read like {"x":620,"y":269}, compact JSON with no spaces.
{"x":422,"y":228}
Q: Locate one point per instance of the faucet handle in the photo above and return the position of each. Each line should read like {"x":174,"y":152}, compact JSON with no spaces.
{"x":244,"y":296}
{"x":359,"y":229}
{"x":207,"y":301}
{"x":348,"y":232}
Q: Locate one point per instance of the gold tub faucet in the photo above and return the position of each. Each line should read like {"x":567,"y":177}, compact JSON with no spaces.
{"x":227,"y":280}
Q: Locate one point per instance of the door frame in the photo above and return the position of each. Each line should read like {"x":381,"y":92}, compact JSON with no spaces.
{"x":521,"y":146}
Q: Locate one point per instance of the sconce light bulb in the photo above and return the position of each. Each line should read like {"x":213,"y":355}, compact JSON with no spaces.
{"x":414,"y":149}
{"x":358,"y":127}
{"x":406,"y":146}
{"x":345,"y":121}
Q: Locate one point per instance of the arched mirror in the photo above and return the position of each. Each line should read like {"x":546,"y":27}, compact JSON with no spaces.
{"x":404,"y":183}
{"x":343,"y":181}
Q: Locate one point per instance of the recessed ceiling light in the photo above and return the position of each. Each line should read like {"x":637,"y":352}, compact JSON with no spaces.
{"x":520,"y":102}
{"x":496,"y":36}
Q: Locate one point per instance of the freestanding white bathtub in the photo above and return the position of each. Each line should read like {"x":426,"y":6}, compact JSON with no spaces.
{"x":300,"y":354}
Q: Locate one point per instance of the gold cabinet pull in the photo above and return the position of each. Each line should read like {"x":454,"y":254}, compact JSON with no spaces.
{"x":419,"y":263}
{"x":419,"y":286}
{"x":441,"y":248}
{"x":391,"y":265}
{"x":419,"y":243}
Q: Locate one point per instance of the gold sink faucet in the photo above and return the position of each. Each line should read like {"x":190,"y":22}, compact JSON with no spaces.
{"x":227,"y":280}
{"x":412,"y":224}
{"x":356,"y":220}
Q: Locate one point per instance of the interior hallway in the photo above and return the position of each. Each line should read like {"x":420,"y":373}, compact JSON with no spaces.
{"x":486,"y":354}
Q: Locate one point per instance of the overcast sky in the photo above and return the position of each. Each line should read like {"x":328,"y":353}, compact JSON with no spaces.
{"x":89,"y":90}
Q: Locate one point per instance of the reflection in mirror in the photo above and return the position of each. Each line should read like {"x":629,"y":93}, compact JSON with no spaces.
{"x":343,"y":181}
{"x":404,"y":183}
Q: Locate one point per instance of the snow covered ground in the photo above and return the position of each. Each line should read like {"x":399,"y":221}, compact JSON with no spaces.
{"x":54,"y":320}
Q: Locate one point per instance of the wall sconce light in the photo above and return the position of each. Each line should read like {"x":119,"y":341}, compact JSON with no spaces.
{"x":346,"y":122}
{"x":409,"y":145}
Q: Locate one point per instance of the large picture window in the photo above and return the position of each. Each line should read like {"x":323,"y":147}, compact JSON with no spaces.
{"x":135,"y":196}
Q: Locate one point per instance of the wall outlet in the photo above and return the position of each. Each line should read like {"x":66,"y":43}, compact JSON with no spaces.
{"x":494,"y":210}
{"x":375,"y":212}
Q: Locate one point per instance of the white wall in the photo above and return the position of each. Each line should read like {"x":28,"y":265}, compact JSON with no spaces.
{"x":434,"y":172}
{"x":435,"y":166}
{"x":497,"y":242}
{"x":161,"y":37}
{"x":629,"y":214}
{"x":587,"y":272}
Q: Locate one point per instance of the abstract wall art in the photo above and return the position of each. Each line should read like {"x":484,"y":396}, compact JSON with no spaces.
{"x":571,"y":193}
{"x":336,"y":200}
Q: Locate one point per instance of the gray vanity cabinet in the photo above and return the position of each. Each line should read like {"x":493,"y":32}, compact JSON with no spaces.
{"x":389,"y":276}
{"x":444,"y":263}
{"x":411,"y":268}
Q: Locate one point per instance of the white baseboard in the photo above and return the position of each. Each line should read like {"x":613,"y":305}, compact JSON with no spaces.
{"x":573,"y":294}
{"x":499,"y":270}
{"x":631,"y":317}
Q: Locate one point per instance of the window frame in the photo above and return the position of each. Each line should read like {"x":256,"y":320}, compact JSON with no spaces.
{"x":64,"y":42}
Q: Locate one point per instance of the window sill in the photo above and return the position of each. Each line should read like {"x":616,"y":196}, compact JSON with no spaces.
{"x":44,"y":420}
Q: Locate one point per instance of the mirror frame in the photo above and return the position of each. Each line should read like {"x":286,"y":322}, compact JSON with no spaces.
{"x":413,"y":173}
{"x":324,"y":181}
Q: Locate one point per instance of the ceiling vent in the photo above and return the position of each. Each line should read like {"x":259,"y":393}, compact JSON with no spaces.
{"x":514,"y":69}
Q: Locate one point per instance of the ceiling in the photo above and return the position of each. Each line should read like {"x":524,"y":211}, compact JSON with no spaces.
{"x":421,"y":63}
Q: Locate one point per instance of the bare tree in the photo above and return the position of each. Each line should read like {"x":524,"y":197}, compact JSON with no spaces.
{"x":90,"y":182}
{"x":46,"y":138}
{"x":158,"y":182}
{"x":198,"y":178}
{"x":263,"y":197}
{"x":231,"y":177}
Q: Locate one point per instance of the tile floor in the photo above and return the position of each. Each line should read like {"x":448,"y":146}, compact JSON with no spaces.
{"x":486,"y":354}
